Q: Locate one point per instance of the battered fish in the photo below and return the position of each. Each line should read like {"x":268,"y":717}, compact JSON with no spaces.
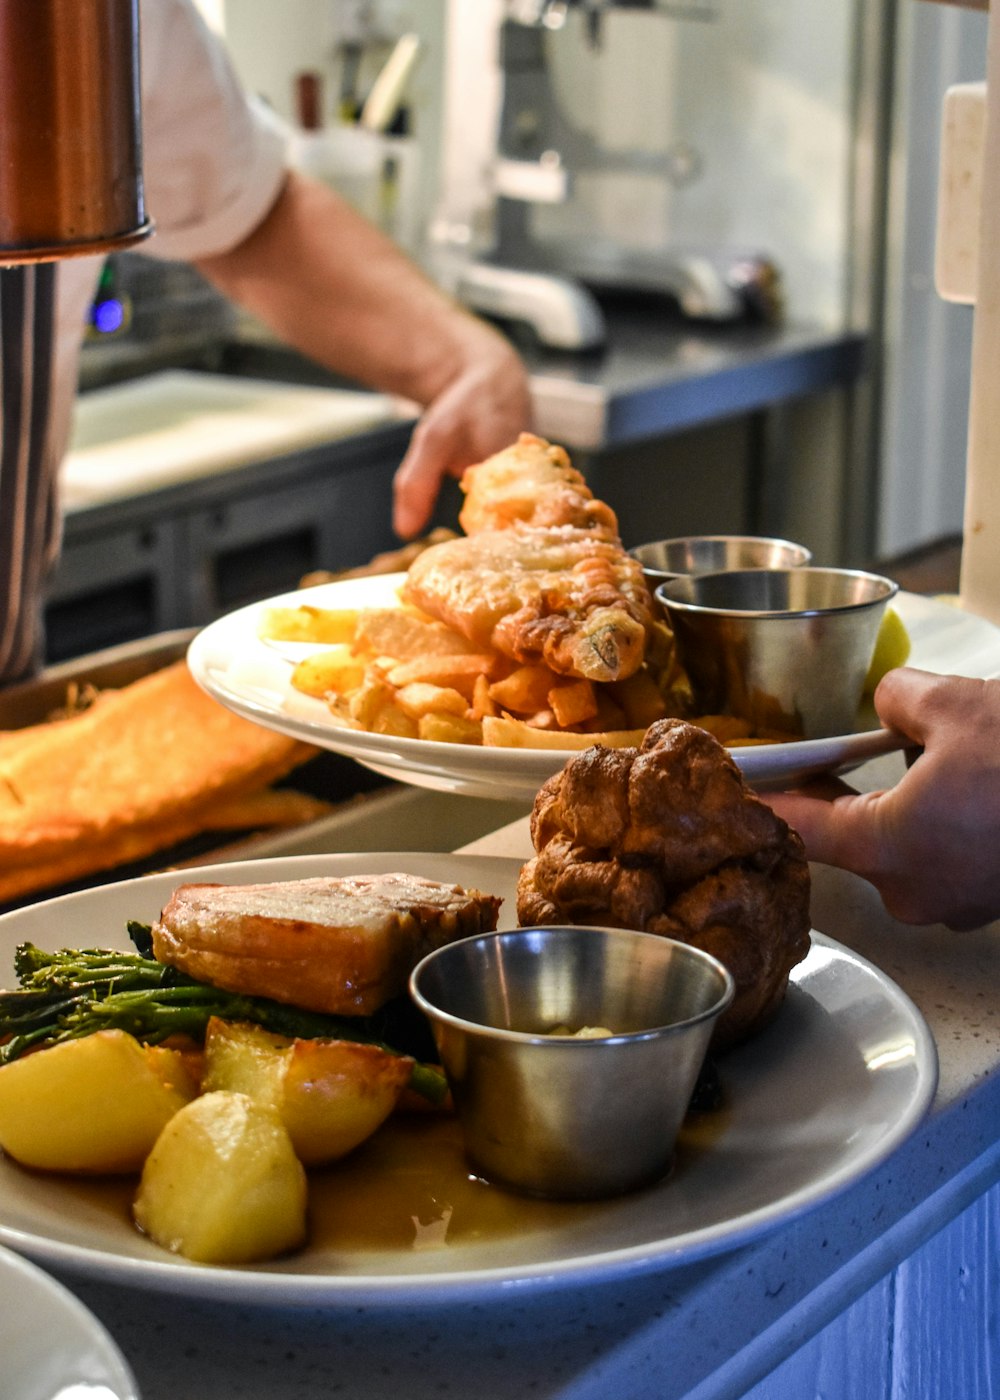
{"x":542,"y":575}
{"x":145,"y":767}
{"x":532,"y":482}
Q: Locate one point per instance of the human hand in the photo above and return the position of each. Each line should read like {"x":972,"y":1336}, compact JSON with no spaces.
{"x":481,"y":410}
{"x":330,"y":283}
{"x":928,"y":845}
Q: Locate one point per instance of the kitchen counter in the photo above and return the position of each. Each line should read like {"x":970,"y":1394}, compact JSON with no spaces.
{"x":853,"y":1299}
{"x":657,"y":375}
{"x":661,"y":377}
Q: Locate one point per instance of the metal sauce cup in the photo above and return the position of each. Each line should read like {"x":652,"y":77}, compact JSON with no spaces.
{"x":710,"y":554}
{"x":554,"y":1115}
{"x":785,"y":649}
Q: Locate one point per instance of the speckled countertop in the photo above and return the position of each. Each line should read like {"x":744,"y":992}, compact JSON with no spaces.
{"x":707,"y":1330}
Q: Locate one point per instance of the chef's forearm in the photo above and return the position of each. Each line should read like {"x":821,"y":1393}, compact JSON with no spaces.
{"x":329,"y":283}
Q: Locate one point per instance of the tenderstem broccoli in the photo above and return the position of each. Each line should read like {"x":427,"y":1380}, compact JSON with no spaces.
{"x":74,"y":992}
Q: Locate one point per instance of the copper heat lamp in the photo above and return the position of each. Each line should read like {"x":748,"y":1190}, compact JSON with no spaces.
{"x":70,"y":129}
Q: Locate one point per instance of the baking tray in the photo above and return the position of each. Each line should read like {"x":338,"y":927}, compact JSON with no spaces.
{"x":368,"y":812}
{"x":37,"y":700}
{"x":34,"y":701}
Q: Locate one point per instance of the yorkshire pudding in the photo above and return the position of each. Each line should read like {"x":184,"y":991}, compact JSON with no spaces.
{"x":668,"y":838}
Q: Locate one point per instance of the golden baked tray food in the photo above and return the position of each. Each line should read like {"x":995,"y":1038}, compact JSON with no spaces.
{"x":130,"y":769}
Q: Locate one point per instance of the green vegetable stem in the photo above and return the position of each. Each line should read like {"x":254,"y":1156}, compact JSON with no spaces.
{"x":75,"y":992}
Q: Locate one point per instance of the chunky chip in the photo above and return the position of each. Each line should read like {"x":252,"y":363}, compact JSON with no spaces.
{"x":573,"y":702}
{"x":450,"y":729}
{"x":421,"y":698}
{"x":525,"y":690}
{"x":308,"y":624}
{"x":460,"y":672}
{"x":504,"y":732}
{"x":406,"y":635}
{"x":336,"y":669}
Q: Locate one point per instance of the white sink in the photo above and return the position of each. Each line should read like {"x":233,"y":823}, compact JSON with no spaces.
{"x":180,"y":424}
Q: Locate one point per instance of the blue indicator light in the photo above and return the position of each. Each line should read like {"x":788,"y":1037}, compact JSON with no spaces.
{"x":108,"y":316}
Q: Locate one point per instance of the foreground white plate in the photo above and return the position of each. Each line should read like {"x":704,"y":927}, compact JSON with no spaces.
{"x":252,"y":678}
{"x":845,"y":1074}
{"x":51,"y":1344}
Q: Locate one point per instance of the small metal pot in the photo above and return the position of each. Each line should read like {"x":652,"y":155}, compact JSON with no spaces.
{"x":708,"y":554}
{"x":787,"y":650}
{"x":70,"y":129}
{"x":555,"y":1115}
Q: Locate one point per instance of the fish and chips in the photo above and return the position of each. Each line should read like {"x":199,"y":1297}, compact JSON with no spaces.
{"x":533,"y":629}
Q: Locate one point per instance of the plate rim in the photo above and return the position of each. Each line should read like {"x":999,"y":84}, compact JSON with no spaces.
{"x":28,"y":1278}
{"x":391,"y":1291}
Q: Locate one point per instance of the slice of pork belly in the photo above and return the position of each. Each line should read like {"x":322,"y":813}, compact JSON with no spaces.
{"x":343,"y":946}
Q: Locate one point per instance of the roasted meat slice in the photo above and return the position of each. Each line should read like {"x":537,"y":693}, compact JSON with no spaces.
{"x":670,"y":839}
{"x":340,"y":945}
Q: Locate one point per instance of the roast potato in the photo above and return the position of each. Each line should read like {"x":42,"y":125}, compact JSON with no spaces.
{"x":222,"y":1184}
{"x":330,"y":1094}
{"x":93,"y":1105}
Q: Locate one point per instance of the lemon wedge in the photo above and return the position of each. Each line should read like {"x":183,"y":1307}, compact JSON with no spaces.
{"x":892,"y":648}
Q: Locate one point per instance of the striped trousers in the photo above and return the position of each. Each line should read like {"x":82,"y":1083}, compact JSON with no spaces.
{"x":28,"y":463}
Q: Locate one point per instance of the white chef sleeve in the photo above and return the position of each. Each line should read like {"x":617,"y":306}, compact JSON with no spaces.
{"x":214,"y":158}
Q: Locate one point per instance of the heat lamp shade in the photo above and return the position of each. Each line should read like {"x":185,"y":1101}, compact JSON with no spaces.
{"x":70,"y":128}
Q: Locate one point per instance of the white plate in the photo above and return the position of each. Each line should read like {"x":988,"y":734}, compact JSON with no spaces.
{"x":252,"y":677}
{"x":845,"y":1074}
{"x":51,"y":1344}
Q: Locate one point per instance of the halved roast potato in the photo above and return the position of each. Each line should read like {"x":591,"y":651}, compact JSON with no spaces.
{"x":331,"y":1094}
{"x":222,"y":1184}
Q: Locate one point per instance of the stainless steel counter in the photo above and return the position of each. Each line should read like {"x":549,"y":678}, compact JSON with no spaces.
{"x":658,"y":374}
{"x":660,"y":377}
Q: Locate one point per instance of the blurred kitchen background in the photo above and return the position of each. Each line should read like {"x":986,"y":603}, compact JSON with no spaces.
{"x":709,"y":226}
